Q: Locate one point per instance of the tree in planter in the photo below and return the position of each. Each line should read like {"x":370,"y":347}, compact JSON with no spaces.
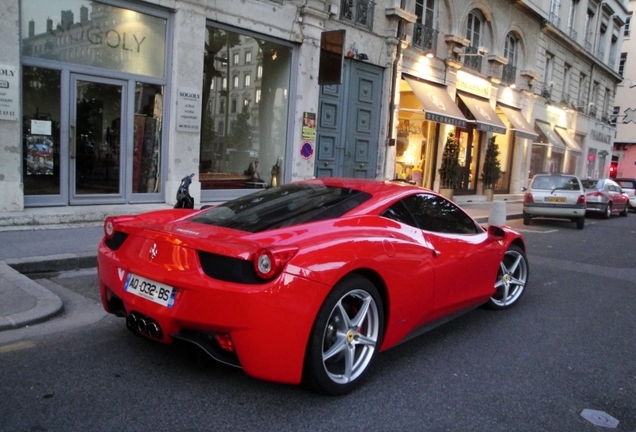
{"x":449,"y":170}
{"x":492,"y":167}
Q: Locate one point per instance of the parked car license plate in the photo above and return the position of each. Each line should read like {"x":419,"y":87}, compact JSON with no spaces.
{"x":555,"y":199}
{"x":150,"y":290}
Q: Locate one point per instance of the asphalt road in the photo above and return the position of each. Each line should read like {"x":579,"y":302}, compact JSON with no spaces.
{"x":568,"y":345}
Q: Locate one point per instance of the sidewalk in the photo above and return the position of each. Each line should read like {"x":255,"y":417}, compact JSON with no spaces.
{"x":41,"y":240}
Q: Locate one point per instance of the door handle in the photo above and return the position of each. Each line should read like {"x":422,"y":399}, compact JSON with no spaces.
{"x":71,"y":142}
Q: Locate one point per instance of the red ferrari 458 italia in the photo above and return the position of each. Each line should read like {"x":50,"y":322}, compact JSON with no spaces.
{"x":308,"y":281}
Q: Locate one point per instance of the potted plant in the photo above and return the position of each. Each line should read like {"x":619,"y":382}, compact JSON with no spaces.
{"x":492,"y":169}
{"x":449,"y":170}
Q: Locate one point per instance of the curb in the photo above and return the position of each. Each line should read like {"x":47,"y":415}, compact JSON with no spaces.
{"x":47,"y":304}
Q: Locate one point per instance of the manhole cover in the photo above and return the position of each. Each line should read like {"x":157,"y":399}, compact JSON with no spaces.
{"x":599,"y":418}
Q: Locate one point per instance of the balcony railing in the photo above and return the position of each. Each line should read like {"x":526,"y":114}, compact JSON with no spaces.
{"x":554,"y":19}
{"x":600,"y":53}
{"x":592,"y":111}
{"x":425,"y":37}
{"x":588,"y":45}
{"x":573,"y":33}
{"x":612,"y":61}
{"x":546,"y":91}
{"x":358,"y":12}
{"x":509,"y":74}
{"x":580,"y":106}
{"x":472,"y":61}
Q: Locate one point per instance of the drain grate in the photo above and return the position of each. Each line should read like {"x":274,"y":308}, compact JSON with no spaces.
{"x":599,"y":418}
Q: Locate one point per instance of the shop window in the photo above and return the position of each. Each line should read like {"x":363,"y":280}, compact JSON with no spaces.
{"x":240,"y":151}
{"x":41,"y":130}
{"x":141,"y":36}
{"x":147,"y":138}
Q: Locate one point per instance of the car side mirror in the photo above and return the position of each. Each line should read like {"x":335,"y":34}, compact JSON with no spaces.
{"x":496,"y":233}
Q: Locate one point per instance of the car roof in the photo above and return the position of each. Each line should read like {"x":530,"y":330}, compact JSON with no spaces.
{"x":375,"y":187}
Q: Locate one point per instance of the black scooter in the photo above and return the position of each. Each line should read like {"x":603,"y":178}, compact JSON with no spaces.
{"x":184,"y":199}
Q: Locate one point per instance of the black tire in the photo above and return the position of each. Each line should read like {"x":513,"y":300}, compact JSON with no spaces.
{"x":345,"y":338}
{"x":512,"y":279}
{"x":608,"y":211}
{"x":526,"y":218}
{"x":580,"y":222}
{"x":625,"y":211}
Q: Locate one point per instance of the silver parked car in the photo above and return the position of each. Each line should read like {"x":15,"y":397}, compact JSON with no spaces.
{"x":629,"y":187}
{"x":555,"y":196}
{"x":606,"y":197}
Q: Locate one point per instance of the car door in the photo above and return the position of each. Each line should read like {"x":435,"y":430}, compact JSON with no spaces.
{"x":465,"y":262}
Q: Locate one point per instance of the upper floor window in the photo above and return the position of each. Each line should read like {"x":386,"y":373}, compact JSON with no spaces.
{"x":566,"y":83}
{"x":474,"y":32}
{"x":509,"y":74}
{"x":358,"y":12}
{"x":248,"y":57}
{"x":474,"y":28}
{"x":572,"y":19}
{"x":628,"y":23}
{"x":236,"y":59}
{"x":547,"y":76}
{"x":424,"y":33}
{"x":235,"y":82}
{"x":621,"y":64}
{"x":555,"y":7}
{"x":247,"y":80}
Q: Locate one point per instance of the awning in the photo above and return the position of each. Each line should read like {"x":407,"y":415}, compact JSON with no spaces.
{"x":567,"y":139}
{"x":486,"y":118}
{"x":546,"y":132}
{"x":520,"y":125}
{"x":438,"y":105}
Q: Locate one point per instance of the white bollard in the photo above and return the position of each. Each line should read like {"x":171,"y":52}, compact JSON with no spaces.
{"x":497,"y":213}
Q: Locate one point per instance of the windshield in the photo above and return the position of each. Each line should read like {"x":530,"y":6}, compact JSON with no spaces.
{"x":626,"y":184}
{"x":556,"y":182}
{"x":282,"y":206}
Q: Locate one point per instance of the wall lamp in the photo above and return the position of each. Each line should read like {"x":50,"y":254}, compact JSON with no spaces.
{"x":481,"y":51}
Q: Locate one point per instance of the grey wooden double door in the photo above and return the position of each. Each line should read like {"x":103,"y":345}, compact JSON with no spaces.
{"x":349,"y":122}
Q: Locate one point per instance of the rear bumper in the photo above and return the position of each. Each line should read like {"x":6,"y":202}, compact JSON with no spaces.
{"x":256,"y":317}
{"x":555,"y":210}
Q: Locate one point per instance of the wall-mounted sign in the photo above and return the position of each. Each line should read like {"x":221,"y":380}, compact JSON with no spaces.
{"x":309,"y":126}
{"x":188,"y":110}
{"x":307,"y":150}
{"x":41,"y":127}
{"x":473,"y":84}
{"x":9,"y":93}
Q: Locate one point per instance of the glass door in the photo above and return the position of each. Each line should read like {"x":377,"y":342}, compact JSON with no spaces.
{"x":96,"y":138}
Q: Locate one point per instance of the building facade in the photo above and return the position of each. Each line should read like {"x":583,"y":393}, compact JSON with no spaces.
{"x":624,"y":154}
{"x":113,"y":101}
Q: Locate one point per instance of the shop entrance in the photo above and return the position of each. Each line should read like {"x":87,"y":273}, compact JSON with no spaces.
{"x":95,"y":150}
{"x":468,"y":158}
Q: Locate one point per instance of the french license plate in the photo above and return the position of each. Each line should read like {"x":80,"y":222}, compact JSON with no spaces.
{"x":150,"y":290}
{"x":555,"y":199}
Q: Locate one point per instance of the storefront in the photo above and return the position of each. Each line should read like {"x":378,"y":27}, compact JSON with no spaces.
{"x":427,"y":113}
{"x":246,"y":98}
{"x":599,"y":142}
{"x":473,"y":99}
{"x":93,"y":97}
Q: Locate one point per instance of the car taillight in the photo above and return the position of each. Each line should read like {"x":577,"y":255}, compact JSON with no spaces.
{"x":595,"y":195}
{"x":268,"y":262}
{"x":111,"y":221}
{"x":581,"y":199}
{"x":527,"y":198}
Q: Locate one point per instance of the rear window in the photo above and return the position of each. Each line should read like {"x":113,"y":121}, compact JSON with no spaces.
{"x":626,"y":184}
{"x":283,"y":206}
{"x":556,"y":182}
{"x":589,"y":184}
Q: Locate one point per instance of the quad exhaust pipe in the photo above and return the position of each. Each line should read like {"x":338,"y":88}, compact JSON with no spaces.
{"x":144,"y":325}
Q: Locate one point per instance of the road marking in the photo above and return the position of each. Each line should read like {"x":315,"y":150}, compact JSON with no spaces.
{"x":533,"y":231}
{"x":16,"y":347}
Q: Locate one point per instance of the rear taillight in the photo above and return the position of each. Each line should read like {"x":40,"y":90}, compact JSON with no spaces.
{"x":268,"y":262}
{"x":110,"y":223}
{"x":527,"y":198}
{"x":595,"y":195}
{"x":581,"y":199}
